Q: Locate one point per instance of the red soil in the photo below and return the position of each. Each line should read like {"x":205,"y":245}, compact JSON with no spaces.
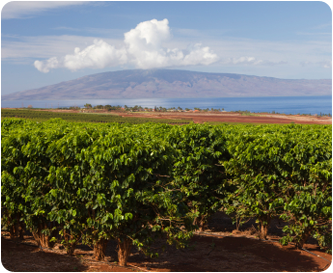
{"x":237,"y":118}
{"x":218,"y":117}
{"x":206,"y":253}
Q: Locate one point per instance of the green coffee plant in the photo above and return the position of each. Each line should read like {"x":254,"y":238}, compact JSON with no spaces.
{"x":259,"y":173}
{"x":197,"y":172}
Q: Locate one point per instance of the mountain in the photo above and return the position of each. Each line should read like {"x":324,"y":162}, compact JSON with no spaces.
{"x":167,"y":83}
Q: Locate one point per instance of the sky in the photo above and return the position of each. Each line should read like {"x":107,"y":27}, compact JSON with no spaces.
{"x":44,"y":43}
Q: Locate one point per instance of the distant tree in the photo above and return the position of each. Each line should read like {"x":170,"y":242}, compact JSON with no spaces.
{"x":108,"y":107}
{"x":74,"y":108}
{"x":87,"y":105}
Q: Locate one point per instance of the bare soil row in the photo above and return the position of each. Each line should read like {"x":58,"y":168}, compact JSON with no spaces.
{"x":238,"y":118}
{"x":228,"y":117}
{"x":221,"y":248}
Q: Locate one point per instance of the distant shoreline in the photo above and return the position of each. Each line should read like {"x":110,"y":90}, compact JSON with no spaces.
{"x":210,"y":117}
{"x":283,"y":104}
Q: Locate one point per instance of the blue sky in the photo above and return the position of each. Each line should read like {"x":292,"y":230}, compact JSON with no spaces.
{"x":45,"y":43}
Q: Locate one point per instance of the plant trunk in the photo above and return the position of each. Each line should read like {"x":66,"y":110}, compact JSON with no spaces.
{"x":35,"y":234}
{"x":70,"y":249}
{"x":70,"y":245}
{"x":21,"y":231}
{"x":99,"y":249}
{"x":264,"y":225}
{"x":42,"y":239}
{"x":124,"y":250}
{"x":237,"y":223}
{"x":12,"y":232}
{"x":304,"y":237}
{"x":45,"y":239}
{"x":200,"y":222}
{"x":17,"y":226}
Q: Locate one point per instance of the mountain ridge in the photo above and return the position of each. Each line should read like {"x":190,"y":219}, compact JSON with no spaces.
{"x":171,"y":83}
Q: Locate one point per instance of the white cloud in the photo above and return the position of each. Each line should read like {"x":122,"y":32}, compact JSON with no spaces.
{"x":98,"y":55}
{"x":142,"y":47}
{"x":40,"y":46}
{"x":235,"y":54}
{"x":251,"y":61}
{"x":47,"y":65}
{"x":327,"y":64}
{"x":22,"y":9}
{"x":324,"y":64}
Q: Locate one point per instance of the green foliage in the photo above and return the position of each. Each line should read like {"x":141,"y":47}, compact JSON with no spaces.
{"x":81,"y":117}
{"x":258,"y":171}
{"x":105,"y":182}
{"x":197,"y":172}
{"x":308,"y":202}
{"x":283,"y":171}
{"x":140,"y":182}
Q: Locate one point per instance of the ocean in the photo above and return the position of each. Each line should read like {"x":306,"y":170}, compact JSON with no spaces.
{"x":287,"y":105}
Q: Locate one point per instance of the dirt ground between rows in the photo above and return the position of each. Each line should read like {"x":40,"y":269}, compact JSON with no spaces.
{"x":220,"y":249}
{"x":237,"y":118}
{"x":227,"y":117}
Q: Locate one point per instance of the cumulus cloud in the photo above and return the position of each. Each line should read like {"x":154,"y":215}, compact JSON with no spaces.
{"x":98,"y":55}
{"x":142,"y":47}
{"x":47,"y":65}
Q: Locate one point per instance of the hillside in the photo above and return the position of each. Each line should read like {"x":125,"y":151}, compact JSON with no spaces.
{"x":166,"y":83}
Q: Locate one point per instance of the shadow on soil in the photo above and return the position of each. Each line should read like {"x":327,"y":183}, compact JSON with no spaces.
{"x":205,"y":253}
{"x":229,"y":254}
{"x":21,"y":258}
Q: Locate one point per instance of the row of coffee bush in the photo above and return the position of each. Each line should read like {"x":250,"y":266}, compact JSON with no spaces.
{"x":87,"y":183}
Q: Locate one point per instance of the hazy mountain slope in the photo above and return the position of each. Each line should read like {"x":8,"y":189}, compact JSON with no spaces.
{"x":165,"y":83}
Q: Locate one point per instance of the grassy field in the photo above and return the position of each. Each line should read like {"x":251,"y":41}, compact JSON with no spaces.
{"x":82,"y":117}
